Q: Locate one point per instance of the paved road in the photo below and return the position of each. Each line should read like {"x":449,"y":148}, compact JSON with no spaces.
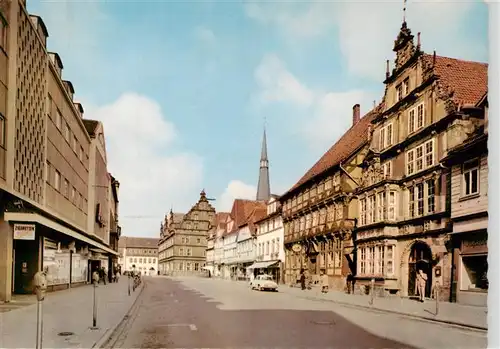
{"x":207,"y":313}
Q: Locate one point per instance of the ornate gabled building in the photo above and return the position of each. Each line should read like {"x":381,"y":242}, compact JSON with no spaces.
{"x":183,"y":239}
{"x":319,"y":211}
{"x":404,"y":205}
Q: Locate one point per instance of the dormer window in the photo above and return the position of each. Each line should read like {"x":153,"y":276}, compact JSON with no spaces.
{"x":399,"y":92}
{"x":406,"y":86}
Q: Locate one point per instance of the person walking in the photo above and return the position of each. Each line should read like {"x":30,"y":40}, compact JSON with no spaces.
{"x":421,"y":283}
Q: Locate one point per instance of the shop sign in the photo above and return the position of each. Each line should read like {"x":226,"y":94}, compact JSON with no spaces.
{"x":296,"y":248}
{"x":24,"y":232}
{"x":474,"y":246}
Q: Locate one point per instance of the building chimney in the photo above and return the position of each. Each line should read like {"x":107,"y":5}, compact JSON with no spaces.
{"x":355,"y":114}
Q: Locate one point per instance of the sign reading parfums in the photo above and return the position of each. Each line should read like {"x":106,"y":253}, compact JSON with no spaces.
{"x":24,"y":232}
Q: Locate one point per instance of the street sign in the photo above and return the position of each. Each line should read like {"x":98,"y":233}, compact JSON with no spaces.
{"x":24,"y":232}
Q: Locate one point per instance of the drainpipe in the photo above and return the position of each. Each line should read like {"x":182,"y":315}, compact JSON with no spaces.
{"x":347,"y":173}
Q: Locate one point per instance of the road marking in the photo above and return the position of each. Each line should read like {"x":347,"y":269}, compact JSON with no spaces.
{"x":192,"y":327}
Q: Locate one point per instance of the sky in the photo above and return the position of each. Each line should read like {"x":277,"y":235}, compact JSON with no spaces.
{"x":184,"y":89}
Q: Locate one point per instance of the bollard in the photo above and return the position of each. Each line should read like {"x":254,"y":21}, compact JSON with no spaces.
{"x":40,"y":283}
{"x":129,"y":284}
{"x":95,"y":279}
{"x":436,"y":294}
{"x":372,"y":291}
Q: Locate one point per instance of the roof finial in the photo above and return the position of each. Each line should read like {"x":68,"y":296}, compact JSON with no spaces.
{"x":404,"y":11}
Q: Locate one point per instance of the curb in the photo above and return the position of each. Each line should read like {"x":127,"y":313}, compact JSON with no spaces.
{"x":417,"y":317}
{"x":109,"y":332}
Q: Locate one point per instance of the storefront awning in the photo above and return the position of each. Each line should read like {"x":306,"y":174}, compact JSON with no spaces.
{"x":34,"y":217}
{"x":263,"y":265}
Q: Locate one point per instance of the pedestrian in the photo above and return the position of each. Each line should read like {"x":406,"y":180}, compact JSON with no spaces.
{"x":350,"y":283}
{"x":324,"y":282}
{"x":117,"y":276}
{"x":421,"y":283}
{"x":302,"y":280}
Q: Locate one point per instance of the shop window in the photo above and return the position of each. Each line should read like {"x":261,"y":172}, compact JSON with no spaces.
{"x":474,"y":273}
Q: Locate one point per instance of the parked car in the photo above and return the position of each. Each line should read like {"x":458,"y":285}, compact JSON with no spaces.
{"x":264,"y":282}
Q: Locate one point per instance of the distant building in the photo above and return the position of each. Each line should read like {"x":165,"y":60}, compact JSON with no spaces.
{"x":212,"y":258}
{"x":139,"y":252}
{"x":270,"y":253}
{"x":183,"y":239}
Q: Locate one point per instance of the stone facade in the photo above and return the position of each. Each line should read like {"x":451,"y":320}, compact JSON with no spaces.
{"x":45,"y":165}
{"x":183,"y":242}
{"x":404,"y":212}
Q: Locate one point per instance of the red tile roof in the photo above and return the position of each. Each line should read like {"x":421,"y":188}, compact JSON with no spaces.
{"x":136,"y":242}
{"x":467,"y":79}
{"x":351,"y":141}
{"x":243,"y":211}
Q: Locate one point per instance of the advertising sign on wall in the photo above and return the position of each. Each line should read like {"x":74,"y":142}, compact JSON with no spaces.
{"x":24,"y":232}
{"x":80,"y":268}
{"x":57,"y":262}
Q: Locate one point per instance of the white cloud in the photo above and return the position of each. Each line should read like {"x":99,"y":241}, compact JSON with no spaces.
{"x":138,"y":137}
{"x":278,"y":85}
{"x":365,"y":31}
{"x":327,"y":114}
{"x":205,"y":35}
{"x":235,"y":190}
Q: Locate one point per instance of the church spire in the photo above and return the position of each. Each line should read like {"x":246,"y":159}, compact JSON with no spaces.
{"x":263,"y":188}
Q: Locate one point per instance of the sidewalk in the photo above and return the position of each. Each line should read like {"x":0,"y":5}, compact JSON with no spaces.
{"x":451,"y":313}
{"x":69,"y":311}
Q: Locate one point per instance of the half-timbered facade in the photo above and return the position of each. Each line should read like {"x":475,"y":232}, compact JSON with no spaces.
{"x":404,"y":210}
{"x":319,"y":212}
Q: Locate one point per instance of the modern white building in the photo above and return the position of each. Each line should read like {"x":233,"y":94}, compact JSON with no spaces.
{"x":214,"y":243}
{"x":139,"y":252}
{"x":245,"y":251}
{"x":270,"y":254}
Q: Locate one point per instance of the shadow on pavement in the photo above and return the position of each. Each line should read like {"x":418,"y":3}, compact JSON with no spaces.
{"x":172,"y":316}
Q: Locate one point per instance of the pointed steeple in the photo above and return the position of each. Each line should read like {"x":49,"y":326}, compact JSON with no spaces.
{"x":263,"y":188}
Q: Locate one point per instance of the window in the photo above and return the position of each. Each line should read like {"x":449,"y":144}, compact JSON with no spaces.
{"x":130,"y":260}
{"x":416,"y":118}
{"x":80,"y":154}
{"x":140,"y":260}
{"x":181,"y":251}
{"x":420,"y":158}
{"x":198,"y":240}
{"x":363,"y":261}
{"x":75,"y":144}
{"x":66,"y":188}
{"x":475,"y":273}
{"x":390,"y":260}
{"x":188,"y":266}
{"x":421,"y":199}
{"x":387,"y":169}
{"x":73,"y":194}
{"x":406,"y":86}
{"x":470,"y":171}
{"x":66,"y":132}
{"x":339,"y":211}
{"x":58,"y":119}
{"x":47,"y":169}
{"x":188,"y":250}
{"x":385,"y":136}
{"x":2,"y":127}
{"x":371,"y":209}
{"x":363,"y":212}
{"x":196,"y":266}
{"x":399,"y":92}
{"x":392,"y":206}
{"x":380,"y":260}
{"x":57,"y":180}
{"x":431,"y":195}
{"x":381,"y":205}
{"x":267,"y":247}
